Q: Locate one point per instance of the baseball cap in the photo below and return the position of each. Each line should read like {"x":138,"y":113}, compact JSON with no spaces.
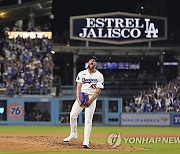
{"x":93,"y":57}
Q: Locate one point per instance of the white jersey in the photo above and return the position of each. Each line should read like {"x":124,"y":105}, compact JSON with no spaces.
{"x":90,"y":81}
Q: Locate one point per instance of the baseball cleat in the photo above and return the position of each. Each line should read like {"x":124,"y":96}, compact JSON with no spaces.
{"x":71,"y":137}
{"x":86,"y":146}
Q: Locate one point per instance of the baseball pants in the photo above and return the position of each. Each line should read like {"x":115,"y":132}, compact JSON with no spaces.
{"x":89,"y":112}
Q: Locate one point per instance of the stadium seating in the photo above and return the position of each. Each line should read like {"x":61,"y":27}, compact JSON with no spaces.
{"x":27,"y":65}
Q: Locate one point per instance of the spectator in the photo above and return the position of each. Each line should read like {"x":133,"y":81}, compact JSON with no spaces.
{"x":147,"y":107}
{"x":132,"y":106}
{"x":46,"y":116}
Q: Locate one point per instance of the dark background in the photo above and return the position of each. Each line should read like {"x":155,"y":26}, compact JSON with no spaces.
{"x":63,"y":9}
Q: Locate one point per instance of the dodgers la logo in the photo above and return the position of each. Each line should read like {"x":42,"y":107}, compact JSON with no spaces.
{"x":151,"y":31}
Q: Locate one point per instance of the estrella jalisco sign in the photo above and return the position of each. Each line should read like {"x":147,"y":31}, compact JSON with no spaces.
{"x":118,"y":28}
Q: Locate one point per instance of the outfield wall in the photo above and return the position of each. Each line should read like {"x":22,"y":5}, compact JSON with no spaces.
{"x":46,"y":110}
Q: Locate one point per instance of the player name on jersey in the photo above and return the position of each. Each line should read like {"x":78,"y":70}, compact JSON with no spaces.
{"x":118,"y":28}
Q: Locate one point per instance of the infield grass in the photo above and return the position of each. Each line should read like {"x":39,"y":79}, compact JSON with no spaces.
{"x":152,"y":148}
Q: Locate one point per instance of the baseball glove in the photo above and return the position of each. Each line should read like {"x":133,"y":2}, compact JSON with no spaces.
{"x":83,"y":98}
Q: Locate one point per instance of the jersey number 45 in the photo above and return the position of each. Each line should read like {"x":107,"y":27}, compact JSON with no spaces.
{"x":93,"y":86}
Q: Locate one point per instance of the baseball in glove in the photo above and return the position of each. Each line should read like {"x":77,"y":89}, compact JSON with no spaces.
{"x":84,"y":98}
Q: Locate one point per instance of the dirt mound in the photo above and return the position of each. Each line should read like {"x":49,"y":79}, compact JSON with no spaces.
{"x":52,"y":143}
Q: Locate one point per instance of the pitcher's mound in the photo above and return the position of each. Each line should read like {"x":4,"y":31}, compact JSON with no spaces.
{"x":52,"y":143}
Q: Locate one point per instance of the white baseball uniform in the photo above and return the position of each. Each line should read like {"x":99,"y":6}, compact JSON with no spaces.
{"x":89,"y":84}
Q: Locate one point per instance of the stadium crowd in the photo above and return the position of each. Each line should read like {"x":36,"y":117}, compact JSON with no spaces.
{"x":27,"y":64}
{"x":158,"y":99}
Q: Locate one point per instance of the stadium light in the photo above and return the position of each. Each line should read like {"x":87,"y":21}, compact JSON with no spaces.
{"x":2,"y":14}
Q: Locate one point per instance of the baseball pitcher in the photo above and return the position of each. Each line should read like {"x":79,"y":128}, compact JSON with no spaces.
{"x":89,"y":85}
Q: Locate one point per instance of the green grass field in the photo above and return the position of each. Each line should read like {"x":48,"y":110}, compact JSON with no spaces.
{"x":153,"y":148}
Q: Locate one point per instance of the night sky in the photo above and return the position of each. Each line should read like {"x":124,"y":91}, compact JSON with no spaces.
{"x":63,"y":9}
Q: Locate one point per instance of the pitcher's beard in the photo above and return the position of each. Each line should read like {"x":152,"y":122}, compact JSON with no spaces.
{"x":91,"y":67}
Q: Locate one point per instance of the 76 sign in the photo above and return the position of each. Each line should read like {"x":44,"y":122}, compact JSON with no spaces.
{"x":15,"y":111}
